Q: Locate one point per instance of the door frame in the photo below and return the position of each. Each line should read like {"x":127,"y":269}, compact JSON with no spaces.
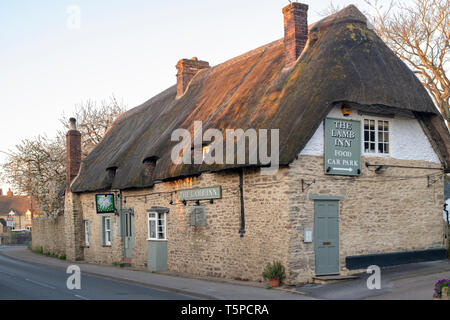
{"x":315,"y":199}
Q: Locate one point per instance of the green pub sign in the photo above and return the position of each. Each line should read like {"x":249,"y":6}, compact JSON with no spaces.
{"x":342,"y":147}
{"x":105,"y":203}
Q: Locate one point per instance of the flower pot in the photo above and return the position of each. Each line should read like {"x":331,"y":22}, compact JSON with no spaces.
{"x":274,"y":283}
{"x":445,"y":293}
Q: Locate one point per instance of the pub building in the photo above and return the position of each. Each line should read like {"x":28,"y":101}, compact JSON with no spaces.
{"x":362,"y":156}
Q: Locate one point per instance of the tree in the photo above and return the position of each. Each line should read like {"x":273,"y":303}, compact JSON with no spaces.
{"x":93,"y":121}
{"x":420,"y":36}
{"x":37,"y":166}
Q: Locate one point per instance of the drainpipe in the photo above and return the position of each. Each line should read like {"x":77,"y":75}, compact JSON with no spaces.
{"x":241,"y":191}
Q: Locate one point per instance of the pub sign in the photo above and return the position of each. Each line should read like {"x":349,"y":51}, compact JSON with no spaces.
{"x":105,"y":203}
{"x":342,"y":147}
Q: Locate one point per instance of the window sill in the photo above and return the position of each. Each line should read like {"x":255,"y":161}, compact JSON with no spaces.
{"x":107,"y":246}
{"x":161,"y":240}
{"x":381,"y":155}
{"x":85,"y":246}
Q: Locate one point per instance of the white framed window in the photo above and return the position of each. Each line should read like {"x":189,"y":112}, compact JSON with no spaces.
{"x":108,"y":232}
{"x":376,"y":136}
{"x":156,"y":226}
{"x":87,"y":232}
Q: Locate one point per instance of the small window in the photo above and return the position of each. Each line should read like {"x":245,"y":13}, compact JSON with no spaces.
{"x":376,"y":136}
{"x":156,"y":226}
{"x":108,"y":231}
{"x":87,"y":231}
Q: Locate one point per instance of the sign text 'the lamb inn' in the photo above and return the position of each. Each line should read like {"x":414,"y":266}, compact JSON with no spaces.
{"x":342,"y":147}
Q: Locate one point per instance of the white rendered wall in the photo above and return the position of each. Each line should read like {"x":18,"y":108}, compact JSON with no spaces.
{"x":407,"y":139}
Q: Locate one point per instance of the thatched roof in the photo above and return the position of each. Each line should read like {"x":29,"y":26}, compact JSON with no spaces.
{"x":344,"y":61}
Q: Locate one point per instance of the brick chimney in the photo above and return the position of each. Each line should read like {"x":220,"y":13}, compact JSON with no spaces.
{"x":73,"y":152}
{"x":187,"y":69}
{"x":295,"y":31}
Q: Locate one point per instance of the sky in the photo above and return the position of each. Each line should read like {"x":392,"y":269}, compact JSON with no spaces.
{"x":56,"y":54}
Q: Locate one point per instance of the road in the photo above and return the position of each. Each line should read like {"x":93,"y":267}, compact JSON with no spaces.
{"x":406,"y":282}
{"x":25,"y":281}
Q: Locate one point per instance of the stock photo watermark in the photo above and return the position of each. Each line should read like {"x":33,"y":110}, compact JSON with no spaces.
{"x":74,"y":280}
{"x":73,"y":21}
{"x":374,"y":281}
{"x":209,"y":147}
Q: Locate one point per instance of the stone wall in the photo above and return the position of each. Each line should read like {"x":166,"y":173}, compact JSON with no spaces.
{"x":380,"y":213}
{"x":217,"y":249}
{"x":15,"y":238}
{"x":392,"y":211}
{"x":49,"y":233}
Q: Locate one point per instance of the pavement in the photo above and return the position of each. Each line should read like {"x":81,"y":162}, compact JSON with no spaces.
{"x":405,"y":282}
{"x":24,"y":274}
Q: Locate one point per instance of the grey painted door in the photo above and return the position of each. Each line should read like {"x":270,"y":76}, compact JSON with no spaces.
{"x":326,"y":237}
{"x":128,"y":232}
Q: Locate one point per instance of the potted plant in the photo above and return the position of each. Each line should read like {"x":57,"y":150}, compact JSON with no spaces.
{"x":442,"y":290}
{"x":275,"y":273}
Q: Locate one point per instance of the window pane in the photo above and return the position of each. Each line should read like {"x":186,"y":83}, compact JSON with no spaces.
{"x":386,"y":137}
{"x":151,"y":215}
{"x":366,"y":124}
{"x":372,"y":136}
{"x":152,"y":229}
{"x":380,"y":148}
{"x":386,"y":148}
{"x":372,"y":125}
{"x":380,"y":136}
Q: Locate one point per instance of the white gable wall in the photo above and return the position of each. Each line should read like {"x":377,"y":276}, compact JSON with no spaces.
{"x":407,"y":139}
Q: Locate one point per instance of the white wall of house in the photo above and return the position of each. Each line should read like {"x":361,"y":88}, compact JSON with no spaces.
{"x":407,"y":139}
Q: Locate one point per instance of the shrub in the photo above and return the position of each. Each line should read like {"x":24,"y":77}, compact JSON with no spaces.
{"x":274,"y":270}
{"x":62,"y":257}
{"x":40,"y":250}
{"x":116,"y":264}
{"x":439,"y":286}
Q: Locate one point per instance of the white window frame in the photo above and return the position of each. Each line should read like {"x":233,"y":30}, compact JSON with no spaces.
{"x":87,"y":232}
{"x":108,"y":231}
{"x":156,"y":220}
{"x":376,"y":153}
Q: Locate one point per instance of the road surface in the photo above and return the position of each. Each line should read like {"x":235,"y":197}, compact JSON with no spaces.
{"x":25,"y":281}
{"x":405,"y":282}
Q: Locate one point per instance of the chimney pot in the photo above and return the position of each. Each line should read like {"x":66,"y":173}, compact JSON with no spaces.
{"x":187,"y":69}
{"x":295,"y":31}
{"x":72,"y":124}
{"x":9,"y":193}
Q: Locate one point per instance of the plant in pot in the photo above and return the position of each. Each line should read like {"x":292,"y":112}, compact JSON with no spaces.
{"x":442,"y":290}
{"x":275,"y":273}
